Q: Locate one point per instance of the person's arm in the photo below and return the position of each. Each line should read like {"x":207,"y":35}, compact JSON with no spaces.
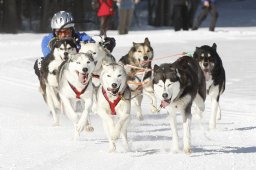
{"x":84,"y":37}
{"x":45,"y":45}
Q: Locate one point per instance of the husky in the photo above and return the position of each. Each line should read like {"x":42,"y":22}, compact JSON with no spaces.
{"x":140,"y":80}
{"x":211,"y":64}
{"x":178,"y":85}
{"x":75,"y":85}
{"x":100,"y":55}
{"x":48,"y":72}
{"x":114,"y":98}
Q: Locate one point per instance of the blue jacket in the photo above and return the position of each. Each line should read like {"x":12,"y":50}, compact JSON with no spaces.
{"x":45,"y":42}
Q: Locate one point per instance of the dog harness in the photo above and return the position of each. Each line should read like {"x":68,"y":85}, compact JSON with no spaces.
{"x":78,"y":93}
{"x":111,"y":104}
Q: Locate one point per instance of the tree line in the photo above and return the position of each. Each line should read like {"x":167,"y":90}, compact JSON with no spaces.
{"x":35,"y":15}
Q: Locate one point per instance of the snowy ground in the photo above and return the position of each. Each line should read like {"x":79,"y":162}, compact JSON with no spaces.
{"x":28,"y":141}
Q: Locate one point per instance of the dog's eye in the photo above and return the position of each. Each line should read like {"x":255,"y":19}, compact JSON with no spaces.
{"x":148,"y":51}
{"x":140,"y":51}
{"x":169,"y":85}
{"x":88,"y":62}
{"x":94,"y":53}
{"x":108,"y":75}
{"x":69,"y":48}
{"x":160,"y":85}
{"x":119,"y":75}
{"x":61,"y":48}
{"x":78,"y":63}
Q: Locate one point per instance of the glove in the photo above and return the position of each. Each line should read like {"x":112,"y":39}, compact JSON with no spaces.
{"x":109,"y":43}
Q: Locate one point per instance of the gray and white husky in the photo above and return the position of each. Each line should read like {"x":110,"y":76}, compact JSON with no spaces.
{"x":178,"y":85}
{"x":211,"y":64}
{"x":100,"y":55}
{"x":140,"y":56}
{"x":49,"y":71}
{"x":114,"y":98}
{"x":75,"y":85}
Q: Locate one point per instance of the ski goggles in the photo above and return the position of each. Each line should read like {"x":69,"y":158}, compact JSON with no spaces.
{"x":63,"y":33}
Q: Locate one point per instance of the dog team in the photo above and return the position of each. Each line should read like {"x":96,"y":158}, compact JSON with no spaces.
{"x":91,"y":80}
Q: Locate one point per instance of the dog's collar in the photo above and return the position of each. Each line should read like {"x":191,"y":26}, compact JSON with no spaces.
{"x":112,"y":104}
{"x":78,"y":93}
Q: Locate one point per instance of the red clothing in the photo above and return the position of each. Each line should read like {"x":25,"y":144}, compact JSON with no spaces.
{"x":106,"y":8}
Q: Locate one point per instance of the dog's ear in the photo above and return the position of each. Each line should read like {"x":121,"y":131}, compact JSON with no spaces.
{"x":156,"y":68}
{"x":146,"y":41}
{"x":177,"y":72}
{"x":90,"y":56}
{"x":104,"y":64}
{"x":52,"y":43}
{"x":214,"y":46}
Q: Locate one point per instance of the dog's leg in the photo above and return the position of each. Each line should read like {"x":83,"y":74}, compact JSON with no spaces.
{"x":215,"y":106}
{"x":200,"y":106}
{"x":69,"y":109}
{"x":83,"y":121}
{"x":108,"y":125}
{"x":186,"y":131}
{"x":94,"y":105}
{"x":124,"y":135}
{"x":51,"y":106}
{"x":119,"y":125}
{"x":137,"y":103}
{"x":149,"y":91}
{"x":173,"y":124}
{"x":218,"y":112}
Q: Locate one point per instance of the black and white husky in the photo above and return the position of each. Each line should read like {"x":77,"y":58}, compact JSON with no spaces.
{"x":114,"y":99}
{"x":75,"y":85}
{"x":211,"y":64}
{"x":48,"y":73}
{"x":178,"y":85}
{"x":140,"y":80}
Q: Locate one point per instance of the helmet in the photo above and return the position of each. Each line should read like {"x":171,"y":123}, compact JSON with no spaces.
{"x":60,"y":18}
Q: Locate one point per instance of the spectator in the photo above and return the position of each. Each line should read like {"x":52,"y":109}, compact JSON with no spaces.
{"x":180,"y":14}
{"x":208,"y":6}
{"x":105,"y":12}
{"x":126,"y":10}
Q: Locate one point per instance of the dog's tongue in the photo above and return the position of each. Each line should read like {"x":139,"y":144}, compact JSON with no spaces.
{"x":164,"y":104}
{"x":207,"y":75}
{"x":82,"y":78}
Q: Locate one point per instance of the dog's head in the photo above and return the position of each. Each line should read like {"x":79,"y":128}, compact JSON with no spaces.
{"x":166,"y":83}
{"x":113,"y":78}
{"x":142,"y":53}
{"x":207,"y":57}
{"x":62,"y":47}
{"x":82,"y":65}
{"x":98,"y":52}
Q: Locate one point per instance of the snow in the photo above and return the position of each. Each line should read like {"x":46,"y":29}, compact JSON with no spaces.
{"x":29,"y":141}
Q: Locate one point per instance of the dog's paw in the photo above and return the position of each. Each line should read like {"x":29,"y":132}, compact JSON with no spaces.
{"x":112,"y":148}
{"x":55,"y":124}
{"x":187,"y":151}
{"x":89,"y":128}
{"x":80,"y":126}
{"x":115,"y":135}
{"x":140,"y":117}
{"x":154,"y":109}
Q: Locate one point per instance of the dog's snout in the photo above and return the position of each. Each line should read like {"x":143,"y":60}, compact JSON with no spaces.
{"x":165,"y":95}
{"x":65,"y":55}
{"x":205,"y":64}
{"x":114,"y":85}
{"x":85,"y":69}
{"x":145,"y":57}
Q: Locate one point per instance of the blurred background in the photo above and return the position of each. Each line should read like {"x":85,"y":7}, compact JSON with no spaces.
{"x":18,"y":16}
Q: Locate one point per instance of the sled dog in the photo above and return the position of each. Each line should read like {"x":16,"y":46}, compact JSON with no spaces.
{"x":211,"y":64}
{"x":100,"y":55}
{"x":177,"y":85}
{"x":114,"y":98}
{"x":140,"y":80}
{"x":48,"y":73}
{"x":75,"y":85}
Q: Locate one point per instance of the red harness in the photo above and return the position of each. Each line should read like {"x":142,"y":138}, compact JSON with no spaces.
{"x":78,"y":93}
{"x":111,"y":104}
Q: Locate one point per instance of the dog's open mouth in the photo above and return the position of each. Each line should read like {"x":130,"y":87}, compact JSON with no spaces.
{"x":83,"y":77}
{"x":207,"y":74}
{"x":114,"y":91}
{"x":165,"y":103}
